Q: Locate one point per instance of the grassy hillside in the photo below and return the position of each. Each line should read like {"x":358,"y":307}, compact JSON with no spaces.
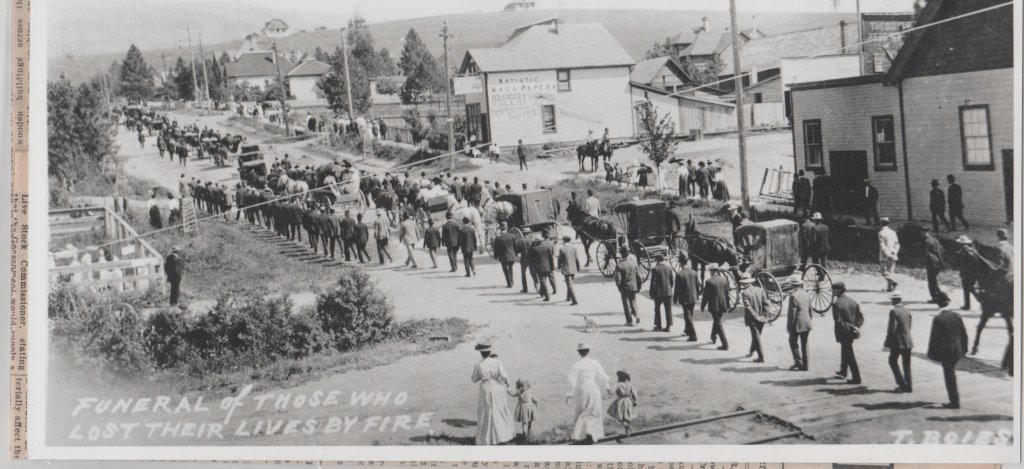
{"x":636,"y":30}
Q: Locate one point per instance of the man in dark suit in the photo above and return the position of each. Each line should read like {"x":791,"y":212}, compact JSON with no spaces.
{"x":663,"y":282}
{"x":956,"y":203}
{"x":348,"y":235}
{"x":848,"y":320}
{"x":947,"y":345}
{"x":899,"y":342}
{"x":362,"y":236}
{"x":686,"y":293}
{"x":309,"y":218}
{"x":801,"y":193}
{"x":716,"y":300}
{"x":871,"y":203}
{"x":703,"y":179}
{"x":450,"y":235}
{"x":822,"y":193}
{"x":754,"y":302}
{"x":569,"y":265}
{"x":937,"y":205}
{"x":798,"y":325}
{"x":458,"y":189}
{"x":475,"y":193}
{"x":174,"y":269}
{"x":504,"y":250}
{"x":467,"y":242}
{"x":819,"y":241}
{"x":627,"y":279}
{"x":674,"y":217}
{"x":806,"y":240}
{"x":933,"y":264}
{"x":546,"y":260}
{"x":521,"y":152}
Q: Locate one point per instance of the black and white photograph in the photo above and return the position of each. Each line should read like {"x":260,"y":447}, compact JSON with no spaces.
{"x":659,"y":229}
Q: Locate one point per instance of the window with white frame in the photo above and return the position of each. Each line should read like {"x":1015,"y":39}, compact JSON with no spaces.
{"x":883,"y":135}
{"x":812,"y":143}
{"x":564,"y":81}
{"x":976,"y":137}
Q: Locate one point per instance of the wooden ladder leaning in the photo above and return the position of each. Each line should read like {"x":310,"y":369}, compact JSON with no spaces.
{"x":190,"y":221}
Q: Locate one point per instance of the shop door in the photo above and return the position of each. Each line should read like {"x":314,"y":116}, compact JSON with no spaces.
{"x":848,"y":170}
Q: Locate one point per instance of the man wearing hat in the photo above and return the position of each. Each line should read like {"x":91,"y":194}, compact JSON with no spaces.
{"x":888,"y":252}
{"x":627,"y":278}
{"x":1006,"y":256}
{"x":899,"y":342}
{"x":663,"y":280}
{"x":822,"y":195}
{"x":801,"y":193}
{"x":870,"y":203}
{"x":545,"y":261}
{"x":569,"y":265}
{"x":467,"y":242}
{"x":686,"y":292}
{"x":819,"y":241}
{"x":174,"y":268}
{"x":956,"y":203}
{"x":937,"y":205}
{"x":806,"y":239}
{"x":947,"y":345}
{"x":754,"y":302}
{"x":968,"y":265}
{"x":934,"y":264}
{"x":450,"y":234}
{"x":848,"y":320}
{"x":798,"y":324}
{"x":504,"y":250}
{"x":716,"y":300}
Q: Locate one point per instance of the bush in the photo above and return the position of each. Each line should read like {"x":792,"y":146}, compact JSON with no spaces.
{"x":354,"y":312}
{"x":166,"y":338}
{"x":98,"y":330}
{"x":390,"y":152}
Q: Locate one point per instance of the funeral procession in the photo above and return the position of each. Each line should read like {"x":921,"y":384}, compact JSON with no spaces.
{"x":531,"y":223}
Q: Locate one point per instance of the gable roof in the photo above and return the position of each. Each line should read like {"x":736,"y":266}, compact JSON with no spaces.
{"x":646,"y":70}
{"x":309,"y":68}
{"x":275,"y":23}
{"x":552,"y":46}
{"x":256,"y":65}
{"x":705,"y":43}
{"x":767,"y":52}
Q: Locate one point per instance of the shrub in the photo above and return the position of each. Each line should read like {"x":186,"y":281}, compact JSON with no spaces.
{"x":354,"y":312}
{"x":166,"y":338}
{"x":390,"y":152}
{"x":98,"y":330}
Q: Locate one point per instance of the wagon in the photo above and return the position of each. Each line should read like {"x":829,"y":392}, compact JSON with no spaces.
{"x":528,"y":213}
{"x":251,"y":168}
{"x":646,"y":235}
{"x":772,"y":250}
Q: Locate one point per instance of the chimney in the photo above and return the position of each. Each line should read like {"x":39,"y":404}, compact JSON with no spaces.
{"x":707,"y":24}
{"x":752,"y":78}
{"x":842,"y":35}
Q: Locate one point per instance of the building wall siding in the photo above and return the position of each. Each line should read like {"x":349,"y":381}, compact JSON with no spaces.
{"x":933,"y":138}
{"x":304,"y":88}
{"x":663,"y":104}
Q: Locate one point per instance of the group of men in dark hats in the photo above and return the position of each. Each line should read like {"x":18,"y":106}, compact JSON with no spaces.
{"x":954,"y":199}
{"x":815,"y":197}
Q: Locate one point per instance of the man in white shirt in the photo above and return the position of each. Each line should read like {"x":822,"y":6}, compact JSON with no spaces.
{"x":888,"y":249}
{"x":593,"y":204}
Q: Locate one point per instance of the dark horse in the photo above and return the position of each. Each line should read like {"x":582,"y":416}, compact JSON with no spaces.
{"x":589,"y":228}
{"x":593,"y":149}
{"x":704,"y":250}
{"x":994,"y":288}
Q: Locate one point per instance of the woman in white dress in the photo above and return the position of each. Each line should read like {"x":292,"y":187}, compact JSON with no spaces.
{"x":587,"y":379}
{"x":493,"y":420}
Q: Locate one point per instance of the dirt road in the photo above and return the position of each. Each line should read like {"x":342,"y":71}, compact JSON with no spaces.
{"x":537,"y":340}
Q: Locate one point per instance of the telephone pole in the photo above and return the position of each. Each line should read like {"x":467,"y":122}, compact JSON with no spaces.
{"x":192,"y":60}
{"x":448,"y":97}
{"x":741,"y":126}
{"x":348,"y":77}
{"x":206,"y":81}
{"x":860,"y":38}
{"x":284,"y":97}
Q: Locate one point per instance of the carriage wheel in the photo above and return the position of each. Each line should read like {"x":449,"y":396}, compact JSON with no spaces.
{"x":644,"y":260}
{"x":489,"y":235}
{"x":818,"y":285}
{"x":516,"y":232}
{"x":734,"y":288}
{"x":673,"y":262}
{"x":606,"y":257}
{"x":773,"y":291}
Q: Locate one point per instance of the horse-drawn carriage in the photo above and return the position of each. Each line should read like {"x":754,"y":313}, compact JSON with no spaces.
{"x":641,"y":226}
{"x":527,"y":213}
{"x":252,"y":169}
{"x":335,"y":185}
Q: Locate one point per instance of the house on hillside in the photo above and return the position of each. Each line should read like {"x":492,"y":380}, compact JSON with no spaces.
{"x":663,"y":72}
{"x":703,"y":47}
{"x":302,"y":80}
{"x":550,"y":82}
{"x":259,"y":70}
{"x":250,"y":46}
{"x":944,"y":107}
{"x":275,"y":28}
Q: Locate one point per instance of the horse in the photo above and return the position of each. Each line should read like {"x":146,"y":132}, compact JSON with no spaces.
{"x":588,"y":150}
{"x":704,"y":250}
{"x":590,"y":228}
{"x":604,"y":149}
{"x":994,"y":289}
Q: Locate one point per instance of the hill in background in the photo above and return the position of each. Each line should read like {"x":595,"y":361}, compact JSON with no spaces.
{"x":636,"y":30}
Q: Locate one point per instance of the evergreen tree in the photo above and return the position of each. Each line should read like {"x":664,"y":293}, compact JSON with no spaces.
{"x":182,"y":78}
{"x":136,"y":76}
{"x":387,"y":65}
{"x":113,"y":77}
{"x":80,"y":135}
{"x":215,"y":76}
{"x":320,"y":55}
{"x":333,"y":85}
{"x":422,"y":71}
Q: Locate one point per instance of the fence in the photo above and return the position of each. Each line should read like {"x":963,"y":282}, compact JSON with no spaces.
{"x":125,"y":262}
{"x":777,"y":185}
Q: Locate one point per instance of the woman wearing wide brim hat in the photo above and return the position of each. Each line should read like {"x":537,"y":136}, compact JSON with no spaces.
{"x":493,"y":420}
{"x":587,"y":379}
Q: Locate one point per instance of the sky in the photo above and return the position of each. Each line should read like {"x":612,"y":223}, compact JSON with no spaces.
{"x":78,"y":27}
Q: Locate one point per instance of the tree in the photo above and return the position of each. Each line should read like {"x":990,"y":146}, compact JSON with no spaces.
{"x":136,"y":76}
{"x":80,"y":134}
{"x":320,"y":55}
{"x":422,"y":71}
{"x":182,"y":78}
{"x":215,"y":76}
{"x":387,"y":64}
{"x":333,"y":85}
{"x":657,"y":138}
{"x":659,"y":49}
{"x":703,"y":72}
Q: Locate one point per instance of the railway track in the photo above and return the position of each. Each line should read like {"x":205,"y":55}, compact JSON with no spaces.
{"x":746,"y":427}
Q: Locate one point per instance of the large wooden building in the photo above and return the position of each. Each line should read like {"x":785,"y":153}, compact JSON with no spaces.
{"x":944,"y":107}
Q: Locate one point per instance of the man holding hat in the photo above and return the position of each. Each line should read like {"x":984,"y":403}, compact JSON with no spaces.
{"x":899,"y":342}
{"x":848,"y":320}
{"x":686,"y":292}
{"x":663,"y":280}
{"x":627,"y":278}
{"x":937,"y":205}
{"x":504,"y":250}
{"x":569,"y":265}
{"x":755,"y":302}
{"x":174,"y":268}
{"x":798,"y":324}
{"x":870,"y":203}
{"x":716,"y":300}
{"x":888,"y":250}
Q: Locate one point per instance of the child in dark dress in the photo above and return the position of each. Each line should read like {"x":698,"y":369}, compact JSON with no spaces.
{"x":623,"y":408}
